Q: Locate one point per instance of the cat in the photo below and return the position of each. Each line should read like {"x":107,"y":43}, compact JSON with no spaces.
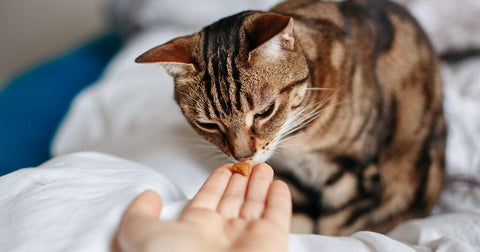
{"x":343,"y":99}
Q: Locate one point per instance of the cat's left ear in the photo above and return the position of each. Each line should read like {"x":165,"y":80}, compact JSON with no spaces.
{"x":272,"y":36}
{"x":175,"y":56}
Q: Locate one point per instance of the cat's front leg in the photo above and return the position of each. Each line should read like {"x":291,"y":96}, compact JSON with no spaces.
{"x":302,"y":224}
{"x":302,"y":220}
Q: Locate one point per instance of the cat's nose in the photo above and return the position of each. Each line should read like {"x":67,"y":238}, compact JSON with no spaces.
{"x":244,"y":158}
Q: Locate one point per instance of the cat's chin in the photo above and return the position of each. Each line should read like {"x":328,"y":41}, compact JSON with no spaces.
{"x":262,"y":157}
{"x":257,"y":158}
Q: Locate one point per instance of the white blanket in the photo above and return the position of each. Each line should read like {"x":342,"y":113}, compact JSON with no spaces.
{"x":74,"y":202}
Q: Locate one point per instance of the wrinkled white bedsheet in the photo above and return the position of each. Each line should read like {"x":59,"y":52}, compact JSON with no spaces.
{"x":74,"y":202}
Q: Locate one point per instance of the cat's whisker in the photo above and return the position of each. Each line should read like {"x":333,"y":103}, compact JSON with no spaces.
{"x":202,"y":143}
{"x":300,"y":116}
{"x":320,"y":89}
{"x":297,"y":121}
{"x":194,"y":140}
{"x":216,"y":159}
{"x":301,"y":124}
{"x":300,"y":119}
{"x":198,"y":145}
{"x":288,"y":145}
{"x":210,"y":155}
{"x":309,"y":117}
{"x":204,"y":147}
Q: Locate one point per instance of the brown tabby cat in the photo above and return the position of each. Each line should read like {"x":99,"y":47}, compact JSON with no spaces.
{"x":343,"y":98}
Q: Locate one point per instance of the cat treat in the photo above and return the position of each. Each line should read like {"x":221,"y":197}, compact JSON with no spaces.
{"x":242,"y":168}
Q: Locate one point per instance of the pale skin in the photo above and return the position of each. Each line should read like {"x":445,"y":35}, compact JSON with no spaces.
{"x":230,"y":212}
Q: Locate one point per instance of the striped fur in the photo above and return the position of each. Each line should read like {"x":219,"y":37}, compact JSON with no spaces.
{"x":342,"y":98}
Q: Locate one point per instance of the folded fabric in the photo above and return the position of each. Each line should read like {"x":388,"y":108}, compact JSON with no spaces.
{"x":75,"y":203}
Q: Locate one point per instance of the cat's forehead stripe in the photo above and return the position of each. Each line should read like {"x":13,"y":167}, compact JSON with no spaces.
{"x":250,"y":101}
{"x":218,"y":38}
{"x":207,"y":79}
{"x":221,"y":47}
{"x":235,"y":71}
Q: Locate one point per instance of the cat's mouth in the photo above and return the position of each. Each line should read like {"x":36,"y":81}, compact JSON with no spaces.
{"x":257,"y":157}
{"x":263,"y":154}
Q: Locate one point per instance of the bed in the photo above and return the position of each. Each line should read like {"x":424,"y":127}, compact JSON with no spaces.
{"x":125,"y":134}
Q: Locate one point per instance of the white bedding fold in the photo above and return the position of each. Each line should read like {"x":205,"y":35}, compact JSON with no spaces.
{"x":75,"y":202}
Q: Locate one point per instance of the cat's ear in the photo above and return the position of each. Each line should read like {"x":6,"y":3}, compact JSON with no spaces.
{"x":271,"y":35}
{"x":175,"y":56}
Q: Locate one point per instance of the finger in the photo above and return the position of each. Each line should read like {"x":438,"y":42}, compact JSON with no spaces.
{"x":232,"y":201}
{"x":212,"y":190}
{"x":133,"y":229}
{"x":278,"y":209}
{"x":147,"y":204}
{"x":260,"y":180}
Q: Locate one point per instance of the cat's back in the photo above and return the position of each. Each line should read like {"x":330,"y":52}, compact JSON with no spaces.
{"x":376,"y":33}
{"x":384,"y":19}
{"x":311,"y":9}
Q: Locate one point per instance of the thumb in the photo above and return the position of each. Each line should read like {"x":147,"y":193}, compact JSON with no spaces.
{"x":133,"y":229}
{"x":148,"y":204}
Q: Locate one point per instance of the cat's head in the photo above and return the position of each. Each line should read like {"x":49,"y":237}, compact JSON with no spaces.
{"x":238,"y":81}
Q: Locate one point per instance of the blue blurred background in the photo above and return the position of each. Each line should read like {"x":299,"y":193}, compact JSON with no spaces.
{"x":51,"y":49}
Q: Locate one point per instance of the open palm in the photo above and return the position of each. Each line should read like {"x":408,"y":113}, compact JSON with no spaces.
{"x":230,"y":212}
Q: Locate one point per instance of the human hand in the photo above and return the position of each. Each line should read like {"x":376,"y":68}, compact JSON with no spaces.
{"x":230,"y":212}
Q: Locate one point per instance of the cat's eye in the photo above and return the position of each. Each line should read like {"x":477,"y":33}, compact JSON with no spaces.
{"x":265,"y":112}
{"x":208,"y":126}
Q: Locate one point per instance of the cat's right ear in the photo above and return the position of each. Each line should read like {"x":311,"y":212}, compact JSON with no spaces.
{"x":175,"y":56}
{"x":271,"y":36}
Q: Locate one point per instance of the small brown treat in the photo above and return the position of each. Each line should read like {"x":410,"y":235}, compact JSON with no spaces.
{"x":242,"y":168}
